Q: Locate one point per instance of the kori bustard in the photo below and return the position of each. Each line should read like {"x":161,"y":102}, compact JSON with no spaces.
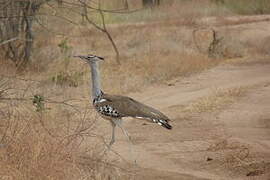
{"x":115,"y":107}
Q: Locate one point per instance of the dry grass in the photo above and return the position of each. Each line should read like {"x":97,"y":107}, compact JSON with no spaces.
{"x":216,"y":101}
{"x":238,"y":157}
{"x":188,"y":10}
{"x":151,"y":69}
{"x":58,"y":140}
{"x":248,"y":6}
{"x":150,"y":54}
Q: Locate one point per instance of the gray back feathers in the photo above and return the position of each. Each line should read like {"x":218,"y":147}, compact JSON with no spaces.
{"x":122,"y":106}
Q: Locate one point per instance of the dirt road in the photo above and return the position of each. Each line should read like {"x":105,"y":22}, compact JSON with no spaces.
{"x":229,"y":143}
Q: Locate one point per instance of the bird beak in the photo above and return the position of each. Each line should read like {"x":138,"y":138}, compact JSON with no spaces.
{"x":101,"y":58}
{"x":85,"y":58}
{"x":78,"y":56}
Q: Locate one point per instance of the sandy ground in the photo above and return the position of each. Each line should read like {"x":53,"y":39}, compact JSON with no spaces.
{"x":231,"y":143}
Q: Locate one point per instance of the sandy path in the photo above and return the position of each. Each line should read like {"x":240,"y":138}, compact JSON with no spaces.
{"x":182,"y":152}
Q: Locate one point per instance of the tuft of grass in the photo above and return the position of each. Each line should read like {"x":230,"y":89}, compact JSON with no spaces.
{"x":216,"y":101}
{"x":68,"y":79}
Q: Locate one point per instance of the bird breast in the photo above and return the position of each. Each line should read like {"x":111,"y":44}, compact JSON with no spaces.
{"x":105,"y":109}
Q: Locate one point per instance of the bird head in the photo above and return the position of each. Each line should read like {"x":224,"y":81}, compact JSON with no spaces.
{"x":90,"y":58}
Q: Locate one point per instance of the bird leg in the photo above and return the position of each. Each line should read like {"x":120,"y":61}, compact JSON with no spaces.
{"x":113,"y":132}
{"x":118,"y":123}
{"x":126,"y":134}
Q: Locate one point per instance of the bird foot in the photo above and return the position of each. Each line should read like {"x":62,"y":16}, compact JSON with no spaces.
{"x":111,"y":143}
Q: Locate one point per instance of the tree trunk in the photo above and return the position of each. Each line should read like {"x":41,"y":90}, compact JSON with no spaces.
{"x":17,"y":21}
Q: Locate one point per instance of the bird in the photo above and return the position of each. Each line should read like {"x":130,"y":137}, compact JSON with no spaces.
{"x":116,"y":107}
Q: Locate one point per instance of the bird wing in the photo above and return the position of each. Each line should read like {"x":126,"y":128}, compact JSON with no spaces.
{"x":128,"y":107}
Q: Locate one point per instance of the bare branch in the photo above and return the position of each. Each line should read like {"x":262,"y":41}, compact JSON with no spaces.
{"x":103,"y":29}
{"x":8,"y":41}
{"x":110,"y":38}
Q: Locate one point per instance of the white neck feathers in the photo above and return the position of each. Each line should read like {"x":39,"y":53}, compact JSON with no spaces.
{"x":96,"y":91}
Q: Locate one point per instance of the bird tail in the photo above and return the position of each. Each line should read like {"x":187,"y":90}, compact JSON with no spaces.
{"x":163,"y":123}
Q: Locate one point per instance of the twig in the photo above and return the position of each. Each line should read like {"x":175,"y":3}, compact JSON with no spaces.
{"x":47,"y":101}
{"x":110,"y":37}
{"x":22,"y":79}
{"x":103,"y":29}
{"x":8,"y":41}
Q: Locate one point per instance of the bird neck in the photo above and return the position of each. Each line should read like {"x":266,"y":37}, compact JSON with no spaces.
{"x":96,"y":91}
